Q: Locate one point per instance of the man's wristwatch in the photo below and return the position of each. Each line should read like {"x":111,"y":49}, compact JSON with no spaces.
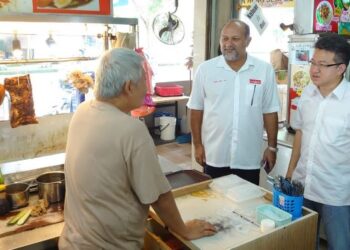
{"x":275,"y":150}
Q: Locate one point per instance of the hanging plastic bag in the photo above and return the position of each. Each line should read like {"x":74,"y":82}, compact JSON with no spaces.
{"x":148,"y":104}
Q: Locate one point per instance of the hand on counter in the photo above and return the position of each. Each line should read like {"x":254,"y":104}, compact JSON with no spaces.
{"x":198,"y":229}
{"x":167,"y":211}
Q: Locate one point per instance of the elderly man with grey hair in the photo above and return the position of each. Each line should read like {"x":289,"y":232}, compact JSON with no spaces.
{"x":112,"y":170}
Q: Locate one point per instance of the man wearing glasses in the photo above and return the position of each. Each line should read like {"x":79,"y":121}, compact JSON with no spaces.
{"x":321,"y":149}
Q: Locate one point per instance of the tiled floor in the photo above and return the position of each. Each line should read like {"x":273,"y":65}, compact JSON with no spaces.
{"x":177,"y":153}
{"x":180,"y":154}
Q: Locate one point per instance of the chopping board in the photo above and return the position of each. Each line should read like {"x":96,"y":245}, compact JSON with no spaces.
{"x":233,"y":230}
{"x":54,"y":215}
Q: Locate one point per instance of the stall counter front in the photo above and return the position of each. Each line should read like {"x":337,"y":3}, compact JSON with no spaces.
{"x":236,"y":221}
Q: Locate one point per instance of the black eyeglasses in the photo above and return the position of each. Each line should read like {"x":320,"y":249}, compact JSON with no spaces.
{"x":323,"y":66}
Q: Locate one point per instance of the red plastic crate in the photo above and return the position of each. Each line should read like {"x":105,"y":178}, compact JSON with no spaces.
{"x":169,"y":90}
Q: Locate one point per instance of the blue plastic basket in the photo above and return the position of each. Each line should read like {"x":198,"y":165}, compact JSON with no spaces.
{"x":290,"y":204}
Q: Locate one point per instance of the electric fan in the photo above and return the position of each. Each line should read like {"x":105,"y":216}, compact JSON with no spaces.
{"x":168,"y":28}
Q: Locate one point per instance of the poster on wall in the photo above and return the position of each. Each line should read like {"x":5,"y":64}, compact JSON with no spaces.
{"x":332,"y":16}
{"x":300,"y":54}
{"x":86,"y":7}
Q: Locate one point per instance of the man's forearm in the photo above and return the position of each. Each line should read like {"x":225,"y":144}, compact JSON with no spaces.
{"x":167,"y":211}
{"x":271,"y":126}
{"x":295,"y":154}
{"x":196,"y":126}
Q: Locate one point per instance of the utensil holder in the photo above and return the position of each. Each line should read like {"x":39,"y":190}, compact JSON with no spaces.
{"x":290,"y":204}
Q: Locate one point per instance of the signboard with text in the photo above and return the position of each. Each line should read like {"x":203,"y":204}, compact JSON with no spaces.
{"x":256,"y":16}
{"x":268,"y":3}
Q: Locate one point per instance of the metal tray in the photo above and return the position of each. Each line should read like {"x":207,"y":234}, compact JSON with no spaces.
{"x":186,"y":177}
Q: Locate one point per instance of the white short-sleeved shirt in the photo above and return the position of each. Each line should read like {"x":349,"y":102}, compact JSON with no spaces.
{"x":112,"y":174}
{"x":233,"y":105}
{"x":324,"y":164}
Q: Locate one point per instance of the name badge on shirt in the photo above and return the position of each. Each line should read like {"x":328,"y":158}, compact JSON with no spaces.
{"x":254,"y":81}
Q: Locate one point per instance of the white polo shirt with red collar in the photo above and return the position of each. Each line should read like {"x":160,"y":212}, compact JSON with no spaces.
{"x":233,"y":105}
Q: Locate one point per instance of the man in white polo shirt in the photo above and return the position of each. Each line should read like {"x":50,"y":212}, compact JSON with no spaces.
{"x":321,"y":149}
{"x":234,"y":97}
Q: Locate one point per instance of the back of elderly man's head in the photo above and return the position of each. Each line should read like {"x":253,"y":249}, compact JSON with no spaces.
{"x":116,"y":67}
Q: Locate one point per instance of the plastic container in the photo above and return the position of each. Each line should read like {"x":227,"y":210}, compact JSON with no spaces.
{"x":290,"y":204}
{"x":157,"y":115}
{"x":267,"y":225}
{"x":244,"y":192}
{"x":268,"y":211}
{"x":223,"y":184}
{"x":167,"y":128}
{"x":169,"y":90}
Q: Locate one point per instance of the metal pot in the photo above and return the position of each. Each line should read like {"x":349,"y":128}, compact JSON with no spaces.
{"x":17,"y":194}
{"x":51,"y":186}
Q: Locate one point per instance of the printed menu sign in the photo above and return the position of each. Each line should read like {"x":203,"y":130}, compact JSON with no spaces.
{"x":268,"y":3}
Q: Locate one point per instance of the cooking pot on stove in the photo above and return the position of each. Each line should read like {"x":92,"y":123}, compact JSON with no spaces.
{"x":51,"y":186}
{"x":17,"y":194}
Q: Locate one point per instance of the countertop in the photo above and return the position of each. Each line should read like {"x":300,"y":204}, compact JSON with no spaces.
{"x":236,"y":219}
{"x":31,"y":237}
{"x":164,"y":99}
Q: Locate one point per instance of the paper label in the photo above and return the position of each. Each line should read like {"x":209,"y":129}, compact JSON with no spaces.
{"x":256,"y":16}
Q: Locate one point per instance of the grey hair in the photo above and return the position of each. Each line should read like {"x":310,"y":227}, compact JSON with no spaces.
{"x":116,"y":67}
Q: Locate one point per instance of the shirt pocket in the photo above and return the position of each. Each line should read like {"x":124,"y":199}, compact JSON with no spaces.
{"x":333,"y":130}
{"x":253,"y":95}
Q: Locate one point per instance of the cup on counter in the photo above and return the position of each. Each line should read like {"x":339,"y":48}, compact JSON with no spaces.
{"x":267,"y":225}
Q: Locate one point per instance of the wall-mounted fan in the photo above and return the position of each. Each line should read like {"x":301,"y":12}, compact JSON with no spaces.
{"x":168,"y":28}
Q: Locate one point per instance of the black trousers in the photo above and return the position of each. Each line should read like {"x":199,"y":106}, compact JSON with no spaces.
{"x":252,"y":175}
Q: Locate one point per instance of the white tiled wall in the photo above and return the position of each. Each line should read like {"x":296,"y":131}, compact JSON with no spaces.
{"x":25,"y":142}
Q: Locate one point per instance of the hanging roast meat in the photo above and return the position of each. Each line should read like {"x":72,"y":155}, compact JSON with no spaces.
{"x":22,"y":106}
